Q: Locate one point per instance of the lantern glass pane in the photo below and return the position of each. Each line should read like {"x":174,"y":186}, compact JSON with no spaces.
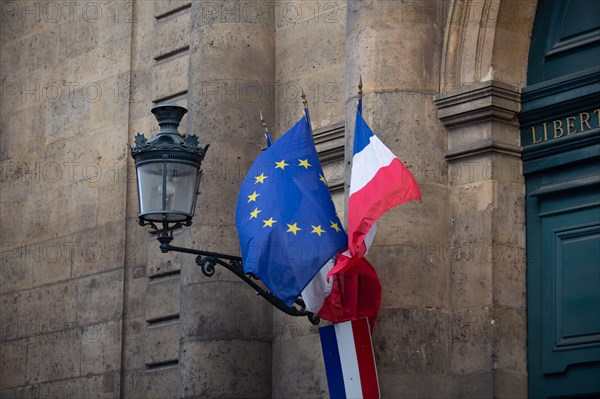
{"x":150,"y":179}
{"x":181,"y":188}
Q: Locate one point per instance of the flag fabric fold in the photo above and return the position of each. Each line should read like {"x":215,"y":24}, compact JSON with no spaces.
{"x":349,"y":288}
{"x":378,"y":182}
{"x":286,"y":220}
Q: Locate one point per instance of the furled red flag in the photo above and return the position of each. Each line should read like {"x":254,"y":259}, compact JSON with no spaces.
{"x":348,"y":288}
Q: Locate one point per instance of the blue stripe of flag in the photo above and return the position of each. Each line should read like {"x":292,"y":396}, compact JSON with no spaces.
{"x":333,"y":365}
{"x":362,"y":134}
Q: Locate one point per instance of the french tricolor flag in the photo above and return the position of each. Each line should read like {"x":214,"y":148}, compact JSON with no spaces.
{"x":379,"y":182}
{"x":349,"y":360}
{"x":347,"y":288}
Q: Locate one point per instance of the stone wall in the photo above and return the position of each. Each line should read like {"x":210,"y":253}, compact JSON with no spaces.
{"x":64,"y":120}
{"x":89,"y":307}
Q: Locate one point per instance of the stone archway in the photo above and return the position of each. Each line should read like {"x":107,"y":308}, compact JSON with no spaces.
{"x":484,"y":63}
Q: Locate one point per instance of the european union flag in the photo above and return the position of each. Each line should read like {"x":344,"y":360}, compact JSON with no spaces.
{"x":286,"y":220}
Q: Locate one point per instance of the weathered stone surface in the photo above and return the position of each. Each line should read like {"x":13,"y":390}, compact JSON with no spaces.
{"x":99,"y":297}
{"x":170,"y":77}
{"x":161,"y":344}
{"x":172,"y":33}
{"x":47,"y":309}
{"x":13,"y":355}
{"x":421,"y":386}
{"x":242,"y":368}
{"x":473,"y":332}
{"x":101,"y":348}
{"x":162,"y":298}
{"x":412,"y":341}
{"x":9,"y":316}
{"x":105,"y":386}
{"x":213,"y":311}
{"x":307,"y":379}
{"x":54,"y":356}
{"x":161,"y":383}
{"x":163,"y":7}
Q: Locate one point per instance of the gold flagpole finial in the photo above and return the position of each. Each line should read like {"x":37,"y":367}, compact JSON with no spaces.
{"x":262,"y":120}
{"x":304,"y":102}
{"x":360,"y":86}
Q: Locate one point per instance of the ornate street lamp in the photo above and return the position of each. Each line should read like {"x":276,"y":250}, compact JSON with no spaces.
{"x":168,"y":179}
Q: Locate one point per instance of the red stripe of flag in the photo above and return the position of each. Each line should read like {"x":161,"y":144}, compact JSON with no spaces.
{"x":366,"y":359}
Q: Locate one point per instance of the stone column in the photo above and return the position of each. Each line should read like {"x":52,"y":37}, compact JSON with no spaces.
{"x":487,"y":260}
{"x":395,"y":46}
{"x":225,"y":331}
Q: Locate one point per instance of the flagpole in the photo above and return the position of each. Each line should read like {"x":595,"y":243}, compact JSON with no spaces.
{"x":306,"y":113}
{"x":360,"y":95}
{"x":267,"y":133}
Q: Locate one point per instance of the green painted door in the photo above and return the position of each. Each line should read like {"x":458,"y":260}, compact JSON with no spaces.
{"x":560,"y":136}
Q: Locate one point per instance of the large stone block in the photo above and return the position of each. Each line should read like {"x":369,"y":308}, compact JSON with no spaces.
{"x":313,"y":43}
{"x":28,"y":53}
{"x":78,"y":35}
{"x":16,"y":271}
{"x":19,"y":173}
{"x":49,"y":308}
{"x":99,"y":250}
{"x":9,"y":316}
{"x":171,"y":34}
{"x":414,"y":386}
{"x":101,"y":348}
{"x":473,"y":335}
{"x":471,"y":275}
{"x":162,"y":298}
{"x":100,"y":297}
{"x":161,"y":343}
{"x":412,"y":275}
{"x":54,"y":356}
{"x":13,"y":356}
{"x":226,"y":368}
{"x":324,"y":91}
{"x":163,"y":7}
{"x":476,"y":385}
{"x":511,"y":346}
{"x":298,"y":368}
{"x":105,"y":386}
{"x":67,"y":209}
{"x":170,"y":77}
{"x":133,"y":343}
{"x":161,"y":383}
{"x":252,"y":42}
{"x":26,"y":392}
{"x":412,"y":341}
{"x":213,"y":311}
{"x":510,"y":385}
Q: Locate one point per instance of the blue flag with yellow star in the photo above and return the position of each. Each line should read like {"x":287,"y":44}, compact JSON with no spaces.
{"x":286,"y":220}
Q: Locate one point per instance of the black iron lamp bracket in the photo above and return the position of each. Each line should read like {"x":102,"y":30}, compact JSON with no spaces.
{"x":208,"y":260}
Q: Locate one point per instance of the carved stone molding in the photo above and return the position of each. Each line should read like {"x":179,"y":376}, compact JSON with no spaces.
{"x":480,"y":118}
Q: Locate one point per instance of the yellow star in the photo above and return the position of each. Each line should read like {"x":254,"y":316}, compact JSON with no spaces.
{"x":304,"y":162}
{"x":252,"y":197}
{"x":269,"y":222}
{"x":260,"y":179}
{"x":335,"y":227}
{"x":293,"y":228}
{"x":254,"y":213}
{"x":281,"y":165}
{"x":317,"y":229}
{"x":322,"y":178}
